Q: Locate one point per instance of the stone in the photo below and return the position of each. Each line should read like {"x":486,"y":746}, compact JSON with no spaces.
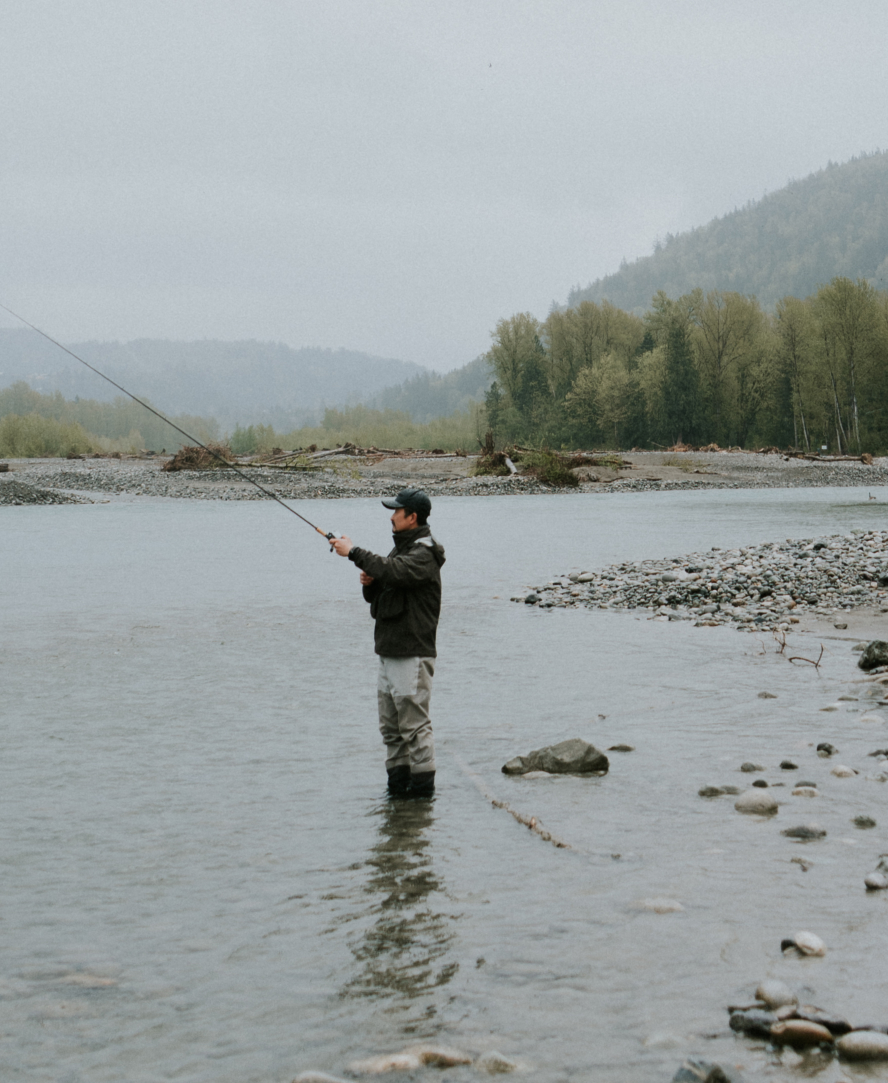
{"x":841,"y":625}
{"x":775,"y":994}
{"x":571,"y":757}
{"x":710,"y":791}
{"x":805,"y":791}
{"x":788,"y":765}
{"x":317,"y":1077}
{"x":755,"y":1021}
{"x":750,"y":768}
{"x":827,"y":749}
{"x":876,"y":654}
{"x":386,"y":1062}
{"x":800,"y":1034}
{"x":621,"y":748}
{"x":766,"y":695}
{"x":702,"y":1071}
{"x":760,"y":782}
{"x":841,"y":771}
{"x":805,"y":942}
{"x":863,"y":1045}
{"x":876,"y":881}
{"x":756,"y":802}
{"x":804,"y":831}
{"x":532,"y":598}
{"x":495,"y":1063}
{"x":835,"y":1024}
{"x":438,"y":1056}
{"x":863,"y":822}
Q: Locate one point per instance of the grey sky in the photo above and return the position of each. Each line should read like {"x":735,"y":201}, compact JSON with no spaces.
{"x":395,"y":177}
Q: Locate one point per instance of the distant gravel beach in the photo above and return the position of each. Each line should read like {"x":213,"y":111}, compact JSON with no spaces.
{"x":53,"y":481}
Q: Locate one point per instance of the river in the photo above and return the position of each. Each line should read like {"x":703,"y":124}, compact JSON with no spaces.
{"x":202,"y":880}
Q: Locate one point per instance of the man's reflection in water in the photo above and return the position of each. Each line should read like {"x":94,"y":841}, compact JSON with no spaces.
{"x":402,"y":953}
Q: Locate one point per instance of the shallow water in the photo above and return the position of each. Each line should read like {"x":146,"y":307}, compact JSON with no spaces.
{"x":202,"y":881}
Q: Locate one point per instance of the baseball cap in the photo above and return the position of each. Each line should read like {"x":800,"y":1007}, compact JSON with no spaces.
{"x":410,"y":500}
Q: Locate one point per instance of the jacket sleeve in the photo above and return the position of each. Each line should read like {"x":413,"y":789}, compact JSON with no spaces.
{"x":409,"y":569}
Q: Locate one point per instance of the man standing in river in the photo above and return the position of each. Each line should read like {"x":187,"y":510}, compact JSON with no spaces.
{"x":404,"y":592}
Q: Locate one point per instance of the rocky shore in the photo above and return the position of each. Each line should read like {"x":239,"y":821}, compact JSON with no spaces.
{"x":340,"y":477}
{"x":758,"y":588}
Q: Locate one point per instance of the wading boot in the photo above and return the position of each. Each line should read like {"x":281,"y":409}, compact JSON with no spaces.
{"x":399,"y":780}
{"x":422,"y":784}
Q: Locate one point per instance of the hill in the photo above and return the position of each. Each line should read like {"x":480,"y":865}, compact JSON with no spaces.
{"x":834,"y":222}
{"x":430,"y":395}
{"x":246,"y":382}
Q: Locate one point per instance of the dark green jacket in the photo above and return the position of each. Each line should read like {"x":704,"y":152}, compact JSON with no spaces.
{"x":405,"y":595}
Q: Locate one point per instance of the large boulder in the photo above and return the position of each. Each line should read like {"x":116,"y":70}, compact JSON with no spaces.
{"x":876,"y":654}
{"x":572,"y":757}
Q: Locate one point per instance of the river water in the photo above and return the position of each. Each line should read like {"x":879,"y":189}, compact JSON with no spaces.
{"x":202,"y":880}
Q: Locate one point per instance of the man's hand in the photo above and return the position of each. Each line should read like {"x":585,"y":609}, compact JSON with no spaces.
{"x":366,"y":579}
{"x":343,"y":545}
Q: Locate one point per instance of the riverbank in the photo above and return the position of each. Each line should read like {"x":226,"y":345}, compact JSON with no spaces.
{"x":340,"y":477}
{"x":769,"y":587}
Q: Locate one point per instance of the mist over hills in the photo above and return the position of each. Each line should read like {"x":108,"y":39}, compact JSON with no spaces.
{"x":235,"y":382}
{"x":834,"y":222}
{"x":430,"y":395}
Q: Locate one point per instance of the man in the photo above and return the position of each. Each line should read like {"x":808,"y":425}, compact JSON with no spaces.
{"x":404,"y":592}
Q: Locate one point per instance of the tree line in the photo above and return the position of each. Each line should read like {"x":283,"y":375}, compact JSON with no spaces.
{"x":705,"y":368}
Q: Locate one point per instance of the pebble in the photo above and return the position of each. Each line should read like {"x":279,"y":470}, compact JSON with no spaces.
{"x":876,"y":881}
{"x":863,"y":1045}
{"x":759,"y":587}
{"x":702,"y":1071}
{"x":826,"y":749}
{"x":788,"y":765}
{"x":756,"y":802}
{"x":760,"y":782}
{"x":750,"y":768}
{"x":835,"y":1024}
{"x":805,"y":791}
{"x":495,"y":1063}
{"x":317,"y":1077}
{"x":807,"y":943}
{"x":621,"y":748}
{"x":863,"y":821}
{"x":841,"y":771}
{"x":804,"y":831}
{"x":755,"y":1021}
{"x":800,"y":1034}
{"x":775,"y":994}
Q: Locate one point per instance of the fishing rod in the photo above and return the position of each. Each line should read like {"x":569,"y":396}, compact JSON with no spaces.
{"x":324,"y":533}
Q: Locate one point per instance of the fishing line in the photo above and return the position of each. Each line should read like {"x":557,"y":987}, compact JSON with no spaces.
{"x":172,"y":424}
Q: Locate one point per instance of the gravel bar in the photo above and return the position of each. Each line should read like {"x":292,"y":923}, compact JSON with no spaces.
{"x":761,"y":587}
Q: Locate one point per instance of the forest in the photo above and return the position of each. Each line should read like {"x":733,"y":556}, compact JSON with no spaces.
{"x":834,"y":222}
{"x":707,"y":367}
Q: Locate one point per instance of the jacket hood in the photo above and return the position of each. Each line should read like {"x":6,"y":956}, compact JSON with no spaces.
{"x":405,"y":539}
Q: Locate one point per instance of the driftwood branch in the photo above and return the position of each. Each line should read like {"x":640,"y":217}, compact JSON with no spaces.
{"x":810,"y":661}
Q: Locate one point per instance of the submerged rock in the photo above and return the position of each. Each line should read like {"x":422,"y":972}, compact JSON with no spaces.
{"x":863,"y":1045}
{"x":826,"y":749}
{"x":750,"y":768}
{"x":571,"y":757}
{"x":876,"y":881}
{"x":439,"y":1056}
{"x":701,"y":1071}
{"x":621,"y":748}
{"x":659,"y":906}
{"x":841,"y":771}
{"x":804,"y":831}
{"x":876,"y":654}
{"x":863,"y":821}
{"x":495,"y":1063}
{"x":756,"y":802}
{"x":386,"y":1062}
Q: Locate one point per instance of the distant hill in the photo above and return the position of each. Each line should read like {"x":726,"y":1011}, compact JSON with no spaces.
{"x":235,"y":382}
{"x":430,"y":395}
{"x":834,"y":222}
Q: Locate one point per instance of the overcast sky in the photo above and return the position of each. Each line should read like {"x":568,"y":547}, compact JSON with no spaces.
{"x":395,"y":176}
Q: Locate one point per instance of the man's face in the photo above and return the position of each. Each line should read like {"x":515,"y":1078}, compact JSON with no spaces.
{"x":402,"y":521}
